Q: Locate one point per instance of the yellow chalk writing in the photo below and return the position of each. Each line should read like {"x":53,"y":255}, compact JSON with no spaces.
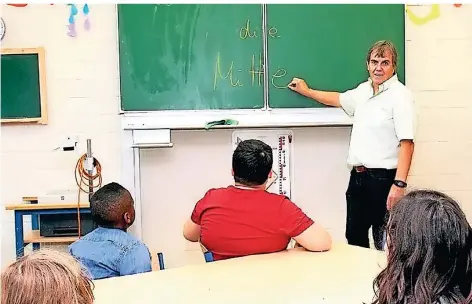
{"x":273,"y":32}
{"x":278,"y":74}
{"x":253,"y":70}
{"x":256,"y":74}
{"x":245,"y":31}
{"x":218,"y":75}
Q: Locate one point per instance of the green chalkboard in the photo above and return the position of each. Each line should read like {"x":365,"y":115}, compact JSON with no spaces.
{"x":190,"y":57}
{"x":326,"y":44}
{"x":205,"y":57}
{"x":21,"y":87}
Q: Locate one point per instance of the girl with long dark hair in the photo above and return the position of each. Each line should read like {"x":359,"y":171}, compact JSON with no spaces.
{"x":429,"y":252}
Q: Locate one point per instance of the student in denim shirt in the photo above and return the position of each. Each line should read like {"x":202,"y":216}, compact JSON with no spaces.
{"x":109,"y":251}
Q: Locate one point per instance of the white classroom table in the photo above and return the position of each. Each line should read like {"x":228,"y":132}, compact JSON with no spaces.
{"x":342,"y":275}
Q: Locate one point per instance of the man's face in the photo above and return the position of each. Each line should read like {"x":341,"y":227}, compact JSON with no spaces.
{"x":380,"y":68}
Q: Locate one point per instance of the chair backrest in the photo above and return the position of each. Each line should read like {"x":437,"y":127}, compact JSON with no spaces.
{"x":206,"y":253}
{"x":160,"y":260}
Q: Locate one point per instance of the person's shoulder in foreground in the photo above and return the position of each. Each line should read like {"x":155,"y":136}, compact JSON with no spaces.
{"x":46,"y":277}
{"x":245,"y":218}
{"x":109,"y":251}
{"x":429,"y":248}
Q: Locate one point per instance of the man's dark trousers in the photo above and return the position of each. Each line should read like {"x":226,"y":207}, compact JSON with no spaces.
{"x":366,"y":199}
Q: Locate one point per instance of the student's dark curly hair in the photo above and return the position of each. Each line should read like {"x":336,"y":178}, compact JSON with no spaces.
{"x":429,"y":252}
{"x":109,"y":203}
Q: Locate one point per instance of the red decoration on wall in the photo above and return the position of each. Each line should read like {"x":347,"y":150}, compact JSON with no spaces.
{"x":22,"y":4}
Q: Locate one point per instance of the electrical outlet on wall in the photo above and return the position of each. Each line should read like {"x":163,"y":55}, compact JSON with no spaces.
{"x":70,"y":143}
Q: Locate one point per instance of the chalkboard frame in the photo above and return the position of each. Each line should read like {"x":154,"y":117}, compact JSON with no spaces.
{"x":41,"y":53}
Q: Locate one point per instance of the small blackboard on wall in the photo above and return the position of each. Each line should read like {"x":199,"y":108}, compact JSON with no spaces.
{"x":23,"y":86}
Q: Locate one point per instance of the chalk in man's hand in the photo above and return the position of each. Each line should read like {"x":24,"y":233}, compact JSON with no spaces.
{"x":293,"y":83}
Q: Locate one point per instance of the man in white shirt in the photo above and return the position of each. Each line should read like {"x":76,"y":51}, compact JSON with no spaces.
{"x":381,"y":145}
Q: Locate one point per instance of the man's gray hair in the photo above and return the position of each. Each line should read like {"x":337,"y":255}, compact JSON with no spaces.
{"x":380,"y":48}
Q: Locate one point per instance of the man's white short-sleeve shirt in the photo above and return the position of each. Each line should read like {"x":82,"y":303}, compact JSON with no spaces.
{"x":380,"y":122}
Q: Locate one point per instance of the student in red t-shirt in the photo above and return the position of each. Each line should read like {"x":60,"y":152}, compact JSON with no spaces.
{"x":245,"y":219}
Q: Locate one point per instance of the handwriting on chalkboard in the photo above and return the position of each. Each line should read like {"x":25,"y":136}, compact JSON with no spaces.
{"x":246,"y":31}
{"x":278,"y":74}
{"x":273,"y":32}
{"x":229,"y":75}
{"x":259,"y":71}
{"x":228,"y":72}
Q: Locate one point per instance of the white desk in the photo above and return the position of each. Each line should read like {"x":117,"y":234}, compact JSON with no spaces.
{"x":342,"y":275}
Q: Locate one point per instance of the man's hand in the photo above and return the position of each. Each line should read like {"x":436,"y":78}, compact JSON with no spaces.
{"x":395,"y":194}
{"x":328,"y":98}
{"x":299,"y":85}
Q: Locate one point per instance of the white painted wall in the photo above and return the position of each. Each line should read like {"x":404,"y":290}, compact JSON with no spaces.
{"x":438,"y":72}
{"x":438,"y":65}
{"x":83,"y":89}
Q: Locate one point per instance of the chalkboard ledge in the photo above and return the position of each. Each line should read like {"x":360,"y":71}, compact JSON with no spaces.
{"x":23,"y":121}
{"x":196,"y":120}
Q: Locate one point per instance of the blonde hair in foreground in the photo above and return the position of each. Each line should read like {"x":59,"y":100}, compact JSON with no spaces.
{"x":46,"y":277}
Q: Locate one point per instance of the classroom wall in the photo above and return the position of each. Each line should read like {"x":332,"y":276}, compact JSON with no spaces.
{"x":438,"y":65}
{"x":83,"y":90}
{"x":437,"y":71}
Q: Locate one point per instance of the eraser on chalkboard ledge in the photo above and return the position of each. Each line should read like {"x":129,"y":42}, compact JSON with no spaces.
{"x":223,"y":122}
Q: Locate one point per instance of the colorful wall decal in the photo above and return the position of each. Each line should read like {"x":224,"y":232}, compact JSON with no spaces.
{"x":433,"y":14}
{"x":73,"y":11}
{"x":72,"y":15}
{"x":86,"y":11}
{"x":22,"y":4}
